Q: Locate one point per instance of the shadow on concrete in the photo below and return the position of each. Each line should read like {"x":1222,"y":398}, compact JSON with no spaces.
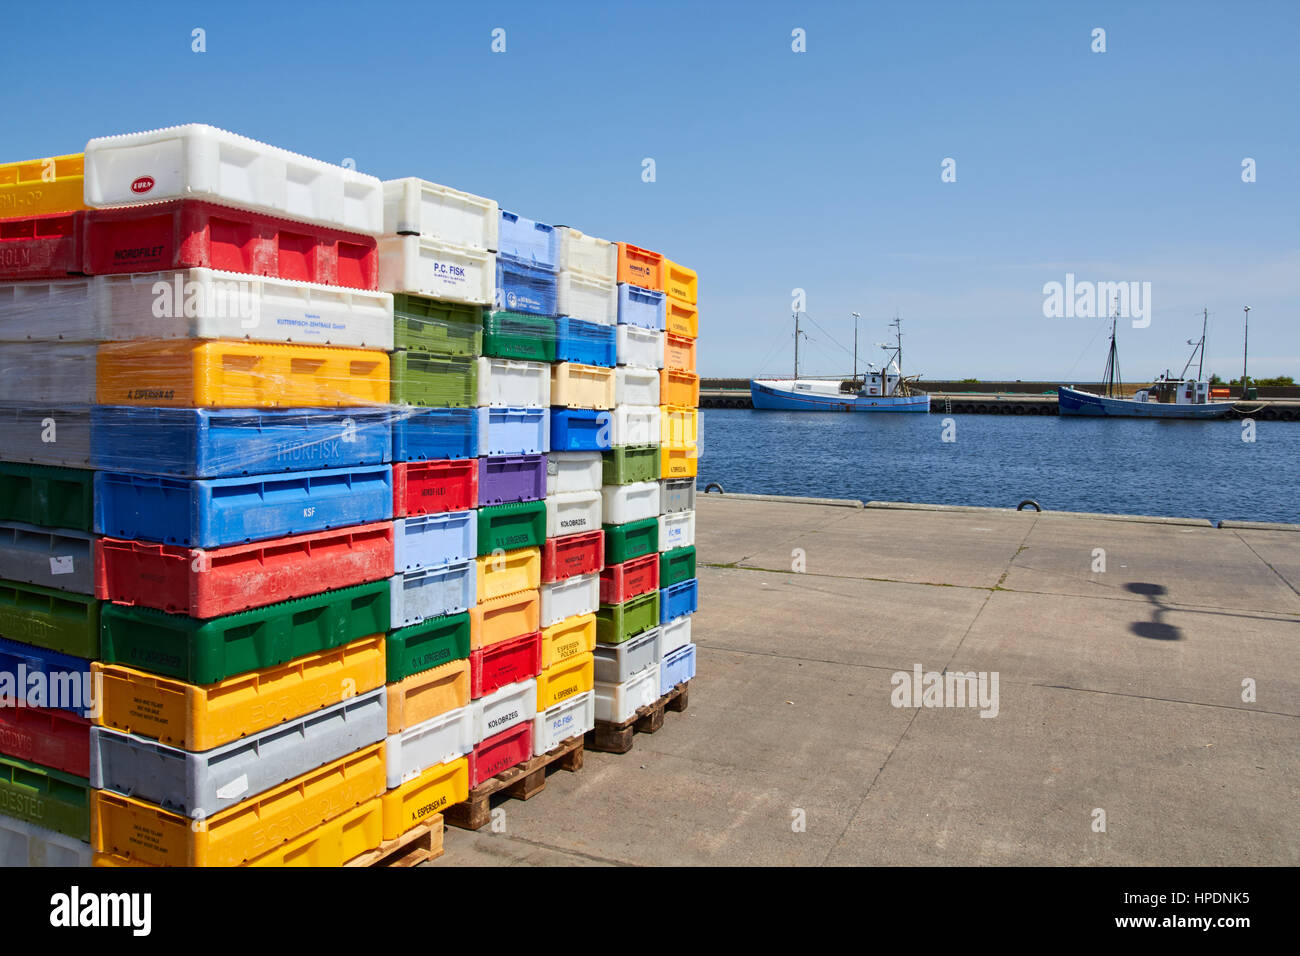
{"x":1154,"y":629}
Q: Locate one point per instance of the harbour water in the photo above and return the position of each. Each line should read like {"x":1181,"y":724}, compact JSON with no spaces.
{"x":1124,"y":466}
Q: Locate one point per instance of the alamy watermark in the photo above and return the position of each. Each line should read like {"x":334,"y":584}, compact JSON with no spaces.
{"x":1098,"y":300}
{"x":949,"y":689}
{"x":212,"y":298}
{"x":81,"y":691}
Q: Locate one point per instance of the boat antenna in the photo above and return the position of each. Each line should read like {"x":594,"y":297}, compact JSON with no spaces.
{"x":797,"y":333}
{"x":855,"y":344}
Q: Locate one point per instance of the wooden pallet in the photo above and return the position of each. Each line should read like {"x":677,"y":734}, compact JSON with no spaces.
{"x":522,"y":781}
{"x":418,"y":845}
{"x":617,"y":738}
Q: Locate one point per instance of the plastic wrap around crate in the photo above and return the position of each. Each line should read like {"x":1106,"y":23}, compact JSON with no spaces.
{"x":615,"y":663}
{"x":62,"y":560}
{"x":580,"y":429}
{"x":48,"y":737}
{"x":568,"y":719}
{"x":624,"y":504}
{"x":28,"y":430}
{"x":201,"y":161}
{"x":214,"y":512}
{"x":39,"y":677}
{"x":642,"y":308}
{"x":513,"y":335}
{"x":198,"y":785}
{"x":221,"y":443}
{"x":434,"y":540}
{"x":580,"y":295}
{"x":578,"y":251}
{"x":569,"y":638}
{"x":28,"y":845}
{"x":424,"y":646}
{"x":48,"y":373}
{"x":508,"y":478}
{"x":439,"y":270}
{"x":572,"y":554}
{"x":636,"y":425}
{"x":674,"y":634}
{"x":585,"y":342}
{"x":440,"y":739}
{"x":676,"y":566}
{"x":504,"y":618}
{"x":512,"y":383}
{"x":499,"y":753}
{"x":430,"y":434}
{"x":676,"y":668}
{"x":681,"y":318}
{"x":508,"y":572}
{"x":504,"y":430}
{"x":416,"y":207}
{"x":582,"y":386}
{"x":433,"y":379}
{"x":44,"y":186}
{"x":40,"y":795}
{"x":434,"y":487}
{"x":503,"y":708}
{"x":616,"y":703}
{"x":679,"y":599}
{"x":643,"y":348}
{"x":428,"y":325}
{"x":41,"y":247}
{"x":505,"y":662}
{"x":680,"y":282}
{"x":524,"y":288}
{"x":567,"y":472}
{"x":676,"y":494}
{"x":622,"y":582}
{"x":636,"y":386}
{"x":55,"y":620}
{"x":676,"y":530}
{"x":431,"y":592}
{"x":529,"y":241}
{"x":574,"y":512}
{"x":564,"y":680}
{"x":570,"y":597}
{"x":54,"y":310}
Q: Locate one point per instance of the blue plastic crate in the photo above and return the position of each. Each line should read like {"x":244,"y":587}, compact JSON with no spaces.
{"x":643,"y":307}
{"x":581,"y":429}
{"x":678,"y":599}
{"x":677,"y":667}
{"x":529,"y":241}
{"x":434,"y":434}
{"x":428,"y":541}
{"x":226,"y":442}
{"x":418,"y":595}
{"x":213,"y":512}
{"x":525,"y":288}
{"x":43,"y":678}
{"x":587,"y":342}
{"x":509,"y":430}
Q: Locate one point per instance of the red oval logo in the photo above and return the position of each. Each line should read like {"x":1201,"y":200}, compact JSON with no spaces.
{"x":142,"y":185}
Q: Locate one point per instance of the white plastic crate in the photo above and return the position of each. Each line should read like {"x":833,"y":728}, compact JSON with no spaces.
{"x":439,"y":270}
{"x":26,"y":844}
{"x":642,"y":347}
{"x":504,"y":708}
{"x":676,"y":530}
{"x":437,"y":740}
{"x":579,"y":594}
{"x":25,"y":430}
{"x":55,"y":311}
{"x":414,"y":206}
{"x":616,"y":703}
{"x":636,"y":386}
{"x":569,"y":718}
{"x":615,"y":663}
{"x":578,"y":251}
{"x":202,"y":162}
{"x":581,"y":295}
{"x":573,"y":512}
{"x":47,"y":373}
{"x":676,"y":633}
{"x":513,"y":383}
{"x":570,"y":471}
{"x":634,"y":502}
{"x":635,"y":425}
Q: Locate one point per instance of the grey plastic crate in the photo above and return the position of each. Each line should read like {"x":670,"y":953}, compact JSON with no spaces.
{"x":676,"y":494}
{"x":42,"y":435}
{"x":63,"y":560}
{"x":615,"y":663}
{"x":201,"y":784}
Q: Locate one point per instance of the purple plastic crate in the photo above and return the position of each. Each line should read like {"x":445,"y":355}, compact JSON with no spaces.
{"x":511,"y":478}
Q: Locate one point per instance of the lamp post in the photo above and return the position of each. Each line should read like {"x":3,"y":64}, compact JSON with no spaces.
{"x":1245,"y":343}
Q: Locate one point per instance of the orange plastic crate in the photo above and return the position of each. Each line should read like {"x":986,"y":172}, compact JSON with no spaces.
{"x":427,"y":694}
{"x":679,"y":388}
{"x":640,"y":267}
{"x":502,"y":618}
{"x":679,"y":353}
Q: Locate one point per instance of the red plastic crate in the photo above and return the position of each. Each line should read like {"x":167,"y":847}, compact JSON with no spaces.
{"x":221,"y":581}
{"x":500,"y":752}
{"x":51,"y":738}
{"x":41,"y":247}
{"x":622,"y":582}
{"x":188,"y":233}
{"x":505,"y":662}
{"x":429,"y":487}
{"x":572,"y":554}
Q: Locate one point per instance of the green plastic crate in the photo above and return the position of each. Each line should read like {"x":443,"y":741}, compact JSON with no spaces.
{"x":516,"y":336}
{"x":207,"y":651}
{"x":623,"y":542}
{"x":629,"y":463}
{"x":45,"y":796}
{"x":430,"y":326}
{"x":434,"y":379}
{"x":47,"y":496}
{"x":518,"y":524}
{"x":616,"y":623}
{"x":55,"y":620}
{"x":428,"y":644}
{"x":676,"y":566}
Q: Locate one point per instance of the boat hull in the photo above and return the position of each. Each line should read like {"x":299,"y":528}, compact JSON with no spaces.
{"x":770,"y":397}
{"x":1071,"y":401}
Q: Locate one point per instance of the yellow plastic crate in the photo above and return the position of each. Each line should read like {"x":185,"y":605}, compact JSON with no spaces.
{"x":42,"y":187}
{"x":681,"y":282}
{"x":508,"y":572}
{"x":569,"y":638}
{"x":559,"y":682}
{"x":139,"y":833}
{"x":681,"y":318}
{"x":191,"y":374}
{"x":416,"y":801}
{"x":678,"y":463}
{"x":200,"y":718}
{"x":679,"y":428}
{"x":334,"y":842}
{"x":582,"y":386}
{"x":501,"y":618}
{"x":427,"y":694}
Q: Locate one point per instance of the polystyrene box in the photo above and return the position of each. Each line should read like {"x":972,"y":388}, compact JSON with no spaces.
{"x":567,"y":719}
{"x":58,"y":310}
{"x":439,"y":739}
{"x":570,"y":471}
{"x":439,"y":270}
{"x":47,"y":373}
{"x":579,"y":594}
{"x":583,"y":253}
{"x":674,"y":634}
{"x":580,"y":295}
{"x":26,"y":844}
{"x":676,"y":530}
{"x":511,"y":382}
{"x":636,"y":386}
{"x":202,"y":162}
{"x":416,"y":207}
{"x":637,"y":501}
{"x":503,"y":708}
{"x":635,"y":425}
{"x":573,"y":512}
{"x":616,"y":663}
{"x":641,"y":347}
{"x":616,"y":703}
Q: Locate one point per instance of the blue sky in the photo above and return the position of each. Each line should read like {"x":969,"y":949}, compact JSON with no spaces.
{"x":778,"y":170}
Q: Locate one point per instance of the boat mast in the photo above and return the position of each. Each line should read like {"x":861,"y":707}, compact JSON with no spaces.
{"x":855,"y":345}
{"x":796,"y":345}
{"x":1112,"y":359}
{"x":1200,"y":365}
